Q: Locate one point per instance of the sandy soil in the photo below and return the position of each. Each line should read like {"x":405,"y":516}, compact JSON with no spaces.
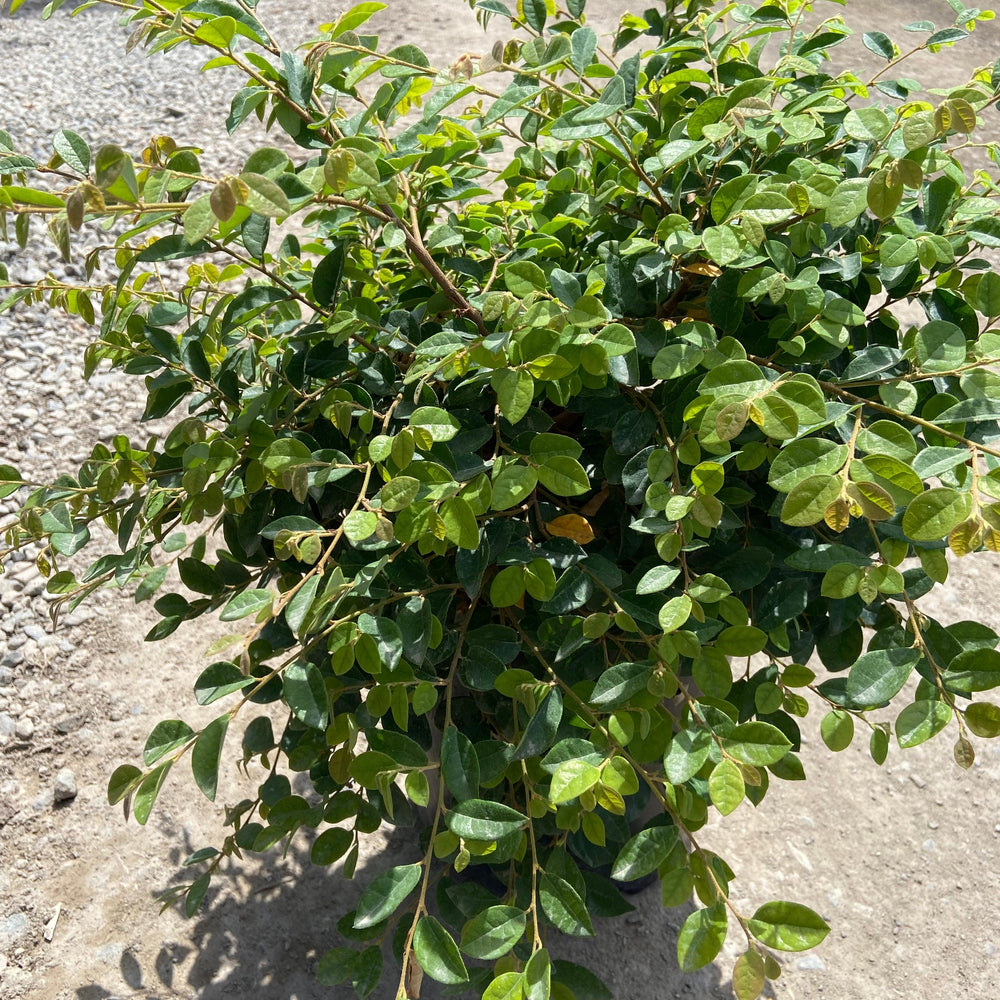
{"x":903,"y":861}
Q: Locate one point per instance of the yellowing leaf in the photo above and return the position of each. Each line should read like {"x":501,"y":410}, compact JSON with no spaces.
{"x":702,"y":267}
{"x":571,"y":526}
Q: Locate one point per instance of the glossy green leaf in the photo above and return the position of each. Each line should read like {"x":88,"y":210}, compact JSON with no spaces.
{"x":563,"y":906}
{"x":166,"y":736}
{"x":459,"y":765}
{"x":837,"y":730}
{"x":701,"y":938}
{"x":481,"y":819}
{"x":437,"y":952}
{"x":493,"y":932}
{"x":305,"y":692}
{"x":571,"y":779}
{"x":930,"y":516}
{"x":879,"y":675}
{"x":618,"y":683}
{"x":206,"y":756}
{"x":726,"y":786}
{"x":264,"y":196}
{"x":757,"y":743}
{"x":384,"y":895}
{"x":920,"y":721}
{"x":788,"y":926}
{"x":644,"y":853}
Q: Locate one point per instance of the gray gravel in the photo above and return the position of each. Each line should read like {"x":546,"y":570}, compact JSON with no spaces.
{"x":53,"y":417}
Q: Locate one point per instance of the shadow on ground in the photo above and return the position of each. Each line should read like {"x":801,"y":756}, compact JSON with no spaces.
{"x":261,"y":933}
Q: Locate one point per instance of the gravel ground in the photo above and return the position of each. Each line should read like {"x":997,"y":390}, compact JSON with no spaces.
{"x":903,"y":860}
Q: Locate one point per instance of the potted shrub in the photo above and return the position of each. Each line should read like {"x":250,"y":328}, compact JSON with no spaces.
{"x":567,"y":450}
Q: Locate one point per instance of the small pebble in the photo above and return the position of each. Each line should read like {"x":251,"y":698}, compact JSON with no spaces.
{"x":810,"y":963}
{"x":64,"y":788}
{"x":70,"y":724}
{"x":24,"y":729}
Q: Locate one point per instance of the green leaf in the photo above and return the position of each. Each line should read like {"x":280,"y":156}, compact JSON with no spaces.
{"x":920,"y":721}
{"x":459,"y":765}
{"x":537,"y":976}
{"x":741,"y":640}
{"x":367,"y":971}
{"x":249,"y":602}
{"x":166,"y":736}
{"x":29,"y":196}
{"x":757,"y":743}
{"x":492,"y":933}
{"x":73,"y":149}
{"x":534,"y":12}
{"x":657,"y":579}
{"x":687,"y":752}
{"x":726,"y":786}
{"x":748,"y":975}
{"x":982,"y":717}
{"x":788,"y":926}
{"x":145,"y":795}
{"x":206,"y":754}
{"x":440,"y":424}
{"x":437,"y":952}
{"x":507,"y":587}
{"x":644,"y":853}
{"x":524,"y":277}
{"x":328,"y":274}
{"x":879,"y":43}
{"x":701,"y":938}
{"x":481,"y":819}
{"x":973,"y":670}
{"x":884,"y":195}
{"x":837,"y":729}
{"x":867,"y":124}
{"x":198,"y":219}
{"x":460,"y":523}
{"x":619,"y":682}
{"x":399,"y":493}
{"x":512,"y":486}
{"x":217,"y":32}
{"x":675,"y":613}
{"x":722,"y":244}
{"x":264,"y":196}
{"x":563,"y":476}
{"x":563,"y":906}
{"x":219,"y":679}
{"x":506,"y":986}
{"x":878,"y":745}
{"x":305,"y":693}
{"x":381,"y":899}
{"x":515,"y":390}
{"x":331,"y":845}
{"x":932,"y":515}
{"x":847,"y":202}
{"x":336,"y":965}
{"x":125,"y":778}
{"x":540,"y":732}
{"x":841,"y":580}
{"x":939,"y":346}
{"x":571,"y":779}
{"x":879,"y":675}
{"x":808,"y":500}
{"x":360,"y":524}
{"x":803,"y":459}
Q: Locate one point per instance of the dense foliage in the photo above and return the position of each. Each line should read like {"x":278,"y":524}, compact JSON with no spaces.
{"x":570,"y":420}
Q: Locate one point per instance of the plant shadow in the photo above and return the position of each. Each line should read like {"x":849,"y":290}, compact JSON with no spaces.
{"x":264,"y":926}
